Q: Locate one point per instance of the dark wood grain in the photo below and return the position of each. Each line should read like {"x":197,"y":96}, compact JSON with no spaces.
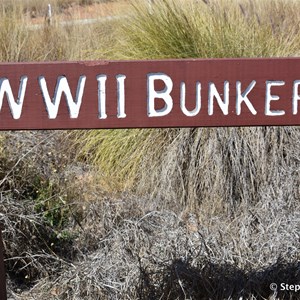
{"x":217,"y":71}
{"x":2,"y":270}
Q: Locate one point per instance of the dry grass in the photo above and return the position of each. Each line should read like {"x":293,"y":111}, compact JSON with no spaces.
{"x":159,"y":255}
{"x":120,"y":154}
{"x":36,"y":203}
{"x":129,"y":247}
{"x":36,"y":9}
{"x":186,"y":29}
{"x":188,"y":166}
{"x":215,"y":213}
{"x":224,"y":167}
{"x":23,"y":42}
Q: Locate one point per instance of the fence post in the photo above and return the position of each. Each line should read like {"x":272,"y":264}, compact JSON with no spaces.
{"x":48,"y":17}
{"x":3,"y":295}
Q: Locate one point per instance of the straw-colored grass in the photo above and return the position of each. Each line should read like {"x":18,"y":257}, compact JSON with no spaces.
{"x":23,"y":41}
{"x":187,"y":29}
{"x":215,"y":214}
{"x":182,"y":166}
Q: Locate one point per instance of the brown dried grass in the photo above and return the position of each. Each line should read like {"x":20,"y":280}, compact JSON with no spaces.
{"x":220,"y":219}
{"x":160,"y":255}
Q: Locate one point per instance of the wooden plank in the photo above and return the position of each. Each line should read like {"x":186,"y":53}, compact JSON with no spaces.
{"x":142,"y":94}
{"x":3,"y":295}
{"x":231,"y":92}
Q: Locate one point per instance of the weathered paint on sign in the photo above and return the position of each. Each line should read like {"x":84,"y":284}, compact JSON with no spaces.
{"x":166,"y":93}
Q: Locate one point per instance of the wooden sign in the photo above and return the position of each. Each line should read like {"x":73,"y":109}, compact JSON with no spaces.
{"x":3,"y":295}
{"x":141,"y":94}
{"x":163,"y":93}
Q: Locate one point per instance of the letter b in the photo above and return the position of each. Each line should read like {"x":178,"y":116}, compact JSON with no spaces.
{"x":163,"y":94}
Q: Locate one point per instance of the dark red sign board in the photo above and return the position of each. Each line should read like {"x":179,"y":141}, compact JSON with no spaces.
{"x":141,"y":94}
{"x":163,"y":93}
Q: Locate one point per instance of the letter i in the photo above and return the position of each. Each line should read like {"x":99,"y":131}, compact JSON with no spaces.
{"x":102,"y":96}
{"x":121,"y":95}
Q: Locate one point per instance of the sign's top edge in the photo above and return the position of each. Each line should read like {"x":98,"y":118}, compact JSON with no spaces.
{"x":106,"y":62}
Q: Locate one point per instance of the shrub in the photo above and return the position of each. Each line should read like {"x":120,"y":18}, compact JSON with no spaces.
{"x":190,"y":167}
{"x":201,"y":29}
{"x":38,"y":202}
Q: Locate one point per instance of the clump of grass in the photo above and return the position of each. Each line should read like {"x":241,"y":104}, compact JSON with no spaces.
{"x":116,"y":152}
{"x":37,"y":171}
{"x":33,"y":248}
{"x":40,"y":193}
{"x":13,"y":34}
{"x":22,"y":41}
{"x":217,"y":169}
{"x":194,"y":29}
{"x":191,"y":167}
{"x":145,"y":253}
{"x":119,"y":154}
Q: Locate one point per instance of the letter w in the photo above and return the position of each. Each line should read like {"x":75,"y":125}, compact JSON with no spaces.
{"x":15,"y":106}
{"x":62,"y":86}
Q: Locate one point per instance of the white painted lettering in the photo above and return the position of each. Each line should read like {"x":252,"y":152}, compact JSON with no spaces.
{"x":121,"y":95}
{"x":243,"y":97}
{"x":270,"y":97}
{"x":163,"y":94}
{"x":15,"y":106}
{"x":195,"y":111}
{"x":62,"y":86}
{"x":102,"y":96}
{"x":296,"y":96}
{"x":213,"y":93}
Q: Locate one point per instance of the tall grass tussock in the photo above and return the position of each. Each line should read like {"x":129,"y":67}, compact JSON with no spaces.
{"x":193,"y":213}
{"x":198,"y":29}
{"x":212,"y":29}
{"x":23,"y":41}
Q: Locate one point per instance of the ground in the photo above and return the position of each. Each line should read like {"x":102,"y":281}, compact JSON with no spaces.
{"x":77,"y":12}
